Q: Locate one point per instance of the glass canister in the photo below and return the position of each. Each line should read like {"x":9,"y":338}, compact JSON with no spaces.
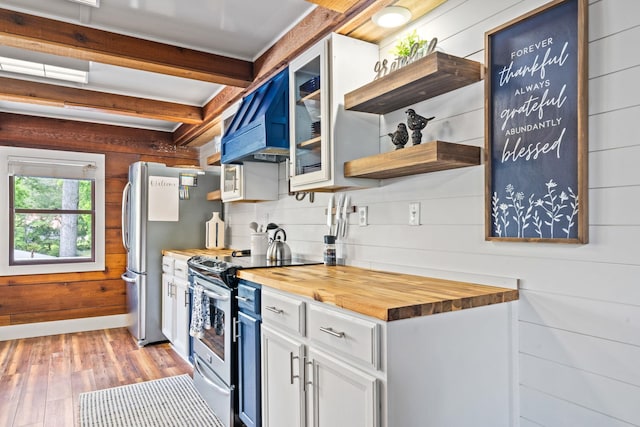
{"x":329,"y":250}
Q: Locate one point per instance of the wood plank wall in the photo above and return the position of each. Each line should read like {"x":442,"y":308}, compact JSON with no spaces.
{"x":39,"y":298}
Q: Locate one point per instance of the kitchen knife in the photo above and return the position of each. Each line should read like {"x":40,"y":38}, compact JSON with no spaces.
{"x":330,"y":215}
{"x":339,"y":215}
{"x":345,"y":215}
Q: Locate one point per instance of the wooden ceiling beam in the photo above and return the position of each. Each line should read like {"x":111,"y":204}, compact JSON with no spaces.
{"x":67,"y":97}
{"x":45,"y":35}
{"x":316,"y":25}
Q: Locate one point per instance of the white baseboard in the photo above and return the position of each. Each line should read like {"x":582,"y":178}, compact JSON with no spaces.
{"x":42,"y":329}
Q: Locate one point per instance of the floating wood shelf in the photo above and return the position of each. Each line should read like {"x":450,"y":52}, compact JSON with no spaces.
{"x":430,"y":76}
{"x":214,"y":195}
{"x":214,"y":159}
{"x":428,"y":157}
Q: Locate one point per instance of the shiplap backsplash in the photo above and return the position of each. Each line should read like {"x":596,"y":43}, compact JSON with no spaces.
{"x":579,"y":309}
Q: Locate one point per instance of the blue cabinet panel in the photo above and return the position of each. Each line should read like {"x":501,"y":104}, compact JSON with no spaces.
{"x":249,"y":370}
{"x":249,"y":382}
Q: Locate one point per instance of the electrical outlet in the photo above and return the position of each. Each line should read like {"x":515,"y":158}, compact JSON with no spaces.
{"x":414,"y":213}
{"x":363,"y":216}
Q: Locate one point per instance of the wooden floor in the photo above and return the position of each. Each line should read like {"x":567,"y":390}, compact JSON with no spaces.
{"x":41,"y":378}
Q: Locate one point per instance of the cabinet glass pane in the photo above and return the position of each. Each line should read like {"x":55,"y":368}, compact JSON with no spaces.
{"x":307,"y":118}
{"x":231,"y":178}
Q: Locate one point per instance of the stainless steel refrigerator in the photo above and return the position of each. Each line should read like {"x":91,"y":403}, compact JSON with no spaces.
{"x":162,"y":208}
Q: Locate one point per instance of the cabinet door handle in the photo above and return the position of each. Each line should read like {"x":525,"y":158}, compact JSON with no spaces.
{"x":186,"y":298}
{"x":242,"y":299}
{"x":236,"y":330}
{"x":275,"y":310}
{"x":330,"y":331}
{"x":308,"y":380}
{"x":291,"y":358}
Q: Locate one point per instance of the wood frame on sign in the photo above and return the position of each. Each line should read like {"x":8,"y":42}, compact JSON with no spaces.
{"x":535,"y":67}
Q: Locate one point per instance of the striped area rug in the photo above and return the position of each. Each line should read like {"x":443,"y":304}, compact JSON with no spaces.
{"x":172,"y":401}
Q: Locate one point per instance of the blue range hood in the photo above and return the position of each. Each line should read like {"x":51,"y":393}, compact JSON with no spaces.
{"x":260,"y":129}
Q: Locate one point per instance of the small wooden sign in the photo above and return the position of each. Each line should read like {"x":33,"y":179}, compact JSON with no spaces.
{"x":536,"y":126}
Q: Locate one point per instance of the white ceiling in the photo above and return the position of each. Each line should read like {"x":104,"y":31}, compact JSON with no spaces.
{"x":241,"y":29}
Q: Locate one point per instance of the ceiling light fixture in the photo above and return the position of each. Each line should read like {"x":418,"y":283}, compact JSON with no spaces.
{"x":31,"y":68}
{"x":391,"y":17}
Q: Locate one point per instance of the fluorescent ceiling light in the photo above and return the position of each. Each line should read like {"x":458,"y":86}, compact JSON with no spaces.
{"x":94,"y":3}
{"x":391,"y":16}
{"x":31,"y":68}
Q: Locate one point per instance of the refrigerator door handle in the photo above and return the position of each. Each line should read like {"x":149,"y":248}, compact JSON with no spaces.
{"x":125,"y":219}
{"x":127,"y":278}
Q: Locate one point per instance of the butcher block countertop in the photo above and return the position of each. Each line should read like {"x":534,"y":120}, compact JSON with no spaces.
{"x":382,"y":295}
{"x":185,"y":254}
{"x":385,"y":296}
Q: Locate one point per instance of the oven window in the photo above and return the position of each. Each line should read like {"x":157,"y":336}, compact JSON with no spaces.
{"x":214,"y":336}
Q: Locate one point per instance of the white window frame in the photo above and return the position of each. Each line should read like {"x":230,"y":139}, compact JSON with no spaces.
{"x":56,"y":158}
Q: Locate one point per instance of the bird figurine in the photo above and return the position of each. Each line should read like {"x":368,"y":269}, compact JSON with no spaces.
{"x":416,"y":123}
{"x":400,"y":136}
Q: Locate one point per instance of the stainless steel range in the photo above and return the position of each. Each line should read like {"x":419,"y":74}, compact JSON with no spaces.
{"x":213,"y":283}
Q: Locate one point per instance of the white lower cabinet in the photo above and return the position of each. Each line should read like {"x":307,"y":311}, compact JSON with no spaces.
{"x":168,"y":306}
{"x":339,"y":394}
{"x":283,"y":402}
{"x":304,"y":382}
{"x":324,"y":366}
{"x":175,"y":305}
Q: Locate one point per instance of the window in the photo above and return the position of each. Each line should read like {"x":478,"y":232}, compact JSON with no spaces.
{"x":55,"y":216}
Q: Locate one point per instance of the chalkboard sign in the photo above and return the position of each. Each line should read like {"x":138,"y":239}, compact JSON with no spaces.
{"x":536,"y":126}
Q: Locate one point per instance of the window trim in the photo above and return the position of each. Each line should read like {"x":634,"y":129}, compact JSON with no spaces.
{"x":99,"y":225}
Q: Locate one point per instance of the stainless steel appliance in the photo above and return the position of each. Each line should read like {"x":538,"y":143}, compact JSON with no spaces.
{"x":156,"y":216}
{"x":215,"y":350}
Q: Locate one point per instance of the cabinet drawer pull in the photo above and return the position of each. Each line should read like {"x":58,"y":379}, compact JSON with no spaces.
{"x":242,"y":299}
{"x":332,"y":332}
{"x":275,"y":310}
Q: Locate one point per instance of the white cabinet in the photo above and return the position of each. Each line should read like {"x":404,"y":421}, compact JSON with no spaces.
{"x":343,"y":369}
{"x":304,"y":382}
{"x":175,"y":304}
{"x":340,"y":394}
{"x":324,"y":135}
{"x":283,"y":397}
{"x":249,"y":182}
{"x":168,"y":306}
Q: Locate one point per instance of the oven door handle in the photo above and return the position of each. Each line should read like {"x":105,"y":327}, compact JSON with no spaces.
{"x":207,"y":380}
{"x":213,"y":295}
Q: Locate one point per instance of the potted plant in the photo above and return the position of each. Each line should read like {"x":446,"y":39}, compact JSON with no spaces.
{"x":409,"y":45}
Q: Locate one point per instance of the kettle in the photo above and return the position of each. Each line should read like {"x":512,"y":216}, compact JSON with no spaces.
{"x":278,"y":250}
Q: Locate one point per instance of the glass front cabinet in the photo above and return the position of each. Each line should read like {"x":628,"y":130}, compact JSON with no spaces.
{"x":324,"y":135}
{"x":249,"y":182}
